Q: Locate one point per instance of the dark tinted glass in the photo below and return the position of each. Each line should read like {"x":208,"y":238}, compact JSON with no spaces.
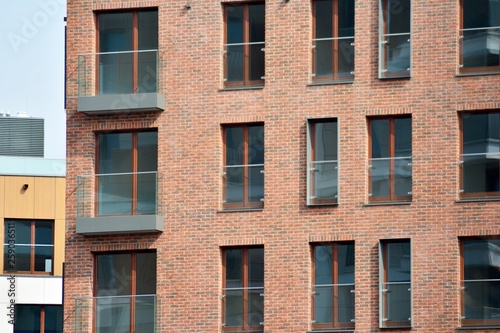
{"x":146,"y":273}
{"x":234,"y":146}
{"x":325,"y":141}
{"x":398,"y":16}
{"x":234,"y":268}
{"x":380,"y":138}
{"x":402,"y":137}
{"x":255,"y":267}
{"x":323,"y":261}
{"x":27,"y":318}
{"x":115,"y":32}
{"x":346,"y":18}
{"x":113,"y":274}
{"x":398,"y":264}
{"x":324,"y":18}
{"x":234,"y":24}
{"x":480,"y":133}
{"x":256,"y":145}
{"x":53,"y":319}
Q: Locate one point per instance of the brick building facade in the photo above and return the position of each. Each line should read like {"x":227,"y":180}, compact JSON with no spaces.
{"x":376,"y":123}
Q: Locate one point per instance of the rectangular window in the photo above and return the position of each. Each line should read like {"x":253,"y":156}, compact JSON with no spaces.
{"x":480,"y":169}
{"x":479,"y":36}
{"x":28,"y":246}
{"x":322,"y":155}
{"x":395,"y":283}
{"x":395,"y":38}
{"x":480,"y":281}
{"x":243,"y":166}
{"x":390,"y":169}
{"x":38,"y":318}
{"x":333,"y":285}
{"x":244,"y":44}
{"x":125,"y":290}
{"x":126,"y":173}
{"x":333,"y":40}
{"x":128,"y":51}
{"x":243,"y":289}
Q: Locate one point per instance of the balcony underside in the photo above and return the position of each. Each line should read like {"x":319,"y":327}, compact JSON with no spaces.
{"x":105,"y":104}
{"x":112,"y":225}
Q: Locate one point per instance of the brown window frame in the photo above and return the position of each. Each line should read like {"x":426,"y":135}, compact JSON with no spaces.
{"x":335,"y":46}
{"x":335,"y":257}
{"x":134,"y":171}
{"x":245,"y":204}
{"x":464,"y":195}
{"x":244,"y":327}
{"x":246,"y":48}
{"x":32,"y":247}
{"x":135,"y":45}
{"x":392,"y":197}
{"x":42,"y":314}
{"x":465,"y":70}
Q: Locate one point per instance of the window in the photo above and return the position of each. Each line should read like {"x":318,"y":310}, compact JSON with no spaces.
{"x":390,"y":159}
{"x":395,"y":38}
{"x":127,"y":177}
{"x":243,"y":167}
{"x":128,"y":51}
{"x":28,"y":246}
{"x":322,"y":154}
{"x":333,"y":285}
{"x":245,"y":42}
{"x":395,"y":283}
{"x":38,"y":318}
{"x":125,"y":287}
{"x":480,"y":36}
{"x":243,"y":289}
{"x":333,"y":40}
{"x":480,"y":281}
{"x":480,"y":169}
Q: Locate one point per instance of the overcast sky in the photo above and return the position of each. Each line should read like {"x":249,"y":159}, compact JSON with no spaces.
{"x":32,"y":65}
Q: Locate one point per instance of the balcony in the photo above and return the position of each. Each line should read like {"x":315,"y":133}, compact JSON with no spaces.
{"x":333,"y":59}
{"x":390,"y":179}
{"x":119,"y":82}
{"x":117,"y":314}
{"x":119,"y":203}
{"x":323,"y":182}
{"x":480,"y":49}
{"x":395,"y":60}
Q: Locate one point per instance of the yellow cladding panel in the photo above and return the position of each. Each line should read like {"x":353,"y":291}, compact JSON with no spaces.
{"x":19,"y":202}
{"x":59,"y":230}
{"x":45,"y":197}
{"x":60,"y":198}
{"x":2,"y":197}
{"x":2,"y":238}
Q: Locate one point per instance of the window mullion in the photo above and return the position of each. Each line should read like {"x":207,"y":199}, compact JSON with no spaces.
{"x":135,"y":46}
{"x":134,"y":172}
{"x":246,"y":47}
{"x":335,"y":41}
{"x":42,"y":319}
{"x":245,"y":288}
{"x":32,"y":247}
{"x":133,"y":289}
{"x":392,"y":155}
{"x":246,"y":167}
{"x":335,"y":281}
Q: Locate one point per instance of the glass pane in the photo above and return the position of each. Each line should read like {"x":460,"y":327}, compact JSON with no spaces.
{"x":398,"y":264}
{"x":115,"y":153}
{"x":323,"y":62}
{"x":398,"y":16}
{"x":234,"y":145}
{"x":146,"y":193}
{"x":113,"y":315}
{"x":145,"y":273}
{"x":346,"y":18}
{"x":256,"y":61}
{"x":234,"y":24}
{"x":398,"y":303}
{"x":380,"y":138}
{"x":53,"y":319}
{"x":325,"y":308}
{"x":148,"y":30}
{"x":233,"y":302}
{"x":323,"y":14}
{"x":480,"y":13}
{"x":323,"y":269}
{"x":147,"y":72}
{"x":345,"y":306}
{"x":115,"y":32}
{"x":480,"y":48}
{"x":481,"y":173}
{"x":113,"y":275}
{"x":43,"y":258}
{"x":257,"y":22}
{"x":480,"y":133}
{"x":380,"y":173}
{"x":145,"y":314}
{"x":402,"y":140}
{"x":255,"y":307}
{"x":345,"y":57}
{"x":402,"y":176}
{"x":43,"y":232}
{"x":115,"y":195}
{"x":325,"y":141}
{"x":256,"y":145}
{"x":480,"y":259}
{"x":234,"y":184}
{"x":323,"y":304}
{"x":17,"y":258}
{"x":345,"y":263}
{"x":481,"y":300}
{"x":27,"y":318}
{"x":397,"y":53}
{"x":115,"y":73}
{"x":234,"y":63}
{"x":147,"y":151}
{"x":19,"y":231}
{"x":255,"y":267}
{"x":325,"y":180}
{"x":255,"y":184}
{"x":148,"y":40}
{"x":234,"y":268}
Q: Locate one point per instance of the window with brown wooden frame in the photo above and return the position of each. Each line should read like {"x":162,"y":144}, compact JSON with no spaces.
{"x":127,"y":178}
{"x":125,"y":292}
{"x":333,"y":40}
{"x":28,"y":246}
{"x":243,"y":289}
{"x":38,"y":318}
{"x":244,"y":46}
{"x":322,"y":155}
{"x":127,"y":55}
{"x":390,"y":165}
{"x":480,"y":281}
{"x":480,"y":155}
{"x":395,"y":38}
{"x":333,"y":286}
{"x":395,"y":283}
{"x":479,"y":36}
{"x":243,"y":171}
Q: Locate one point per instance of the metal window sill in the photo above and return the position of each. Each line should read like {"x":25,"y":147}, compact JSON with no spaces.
{"x":330,"y":83}
{"x":388,"y":203}
{"x":493,"y":72}
{"x":466,"y":328}
{"x":239,"y":210}
{"x":478,"y":199}
{"x":333,"y":330}
{"x":259,"y":87}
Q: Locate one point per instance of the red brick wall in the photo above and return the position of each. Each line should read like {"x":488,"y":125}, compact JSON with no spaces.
{"x":190,"y":156}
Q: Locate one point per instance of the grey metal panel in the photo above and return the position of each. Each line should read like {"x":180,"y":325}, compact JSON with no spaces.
{"x":112,"y":225}
{"x":121,"y":103}
{"x":21,"y":136}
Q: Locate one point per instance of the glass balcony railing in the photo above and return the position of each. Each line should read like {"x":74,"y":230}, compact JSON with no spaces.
{"x":109,"y":73}
{"x":244,"y":57}
{"x":396,"y":302}
{"x":117,"y":314}
{"x":244,"y":185}
{"x":480,"y":174}
{"x":396,"y":56}
{"x":134,"y":193}
{"x":323,"y":182}
{"x":334,"y":304}
{"x":391,"y":178}
{"x":333,"y":59}
{"x":481,"y":302}
{"x":234,"y":306}
{"x":480,"y":48}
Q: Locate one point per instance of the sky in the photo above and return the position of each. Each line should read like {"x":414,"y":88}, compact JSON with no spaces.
{"x":32,"y":65}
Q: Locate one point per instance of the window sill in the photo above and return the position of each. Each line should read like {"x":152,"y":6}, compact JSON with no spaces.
{"x":477,"y":199}
{"x":388,"y":203}
{"x":493,"y":72}
{"x":260,"y":87}
{"x":466,"y":328}
{"x":331,"y":204}
{"x":332,"y":330}
{"x":402,"y":77}
{"x":238,"y":210}
{"x":329,"y":83}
